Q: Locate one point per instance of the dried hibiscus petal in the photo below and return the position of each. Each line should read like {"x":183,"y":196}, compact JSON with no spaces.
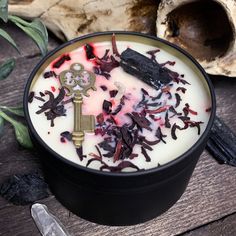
{"x":49,"y":74}
{"x":178,"y":99}
{"x":144,"y":152}
{"x":158,"y":110}
{"x":160,"y":135}
{"x":67,"y":135}
{"x":167,"y":121}
{"x":61,"y":60}
{"x":39,"y":98}
{"x":182,"y":89}
{"x":126,"y":135}
{"x":103,"y":87}
{"x":187,"y":110}
{"x":89,"y":50}
{"x":31,"y":97}
{"x":113,"y":93}
{"x":106,"y":106}
{"x":114,"y":46}
{"x":120,"y":167}
{"x":117,"y":151}
{"x":140,"y":121}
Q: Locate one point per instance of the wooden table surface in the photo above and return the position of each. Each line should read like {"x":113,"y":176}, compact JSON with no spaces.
{"x":208,"y":207}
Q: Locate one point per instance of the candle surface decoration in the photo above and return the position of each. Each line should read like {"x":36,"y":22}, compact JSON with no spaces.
{"x":146,"y":106}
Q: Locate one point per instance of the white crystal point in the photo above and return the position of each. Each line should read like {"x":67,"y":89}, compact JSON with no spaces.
{"x":46,"y":222}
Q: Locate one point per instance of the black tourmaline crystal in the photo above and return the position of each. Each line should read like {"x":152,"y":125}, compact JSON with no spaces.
{"x":221,"y":143}
{"x":144,"y":68}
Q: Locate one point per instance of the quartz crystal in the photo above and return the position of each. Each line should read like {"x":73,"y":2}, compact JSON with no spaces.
{"x":46,"y":222}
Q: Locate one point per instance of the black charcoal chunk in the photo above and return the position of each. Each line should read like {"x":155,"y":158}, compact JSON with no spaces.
{"x":24,"y":189}
{"x":222,"y":143}
{"x":144,"y":68}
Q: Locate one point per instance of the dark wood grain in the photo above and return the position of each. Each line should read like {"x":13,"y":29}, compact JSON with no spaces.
{"x":225,"y":227}
{"x":211,"y":193}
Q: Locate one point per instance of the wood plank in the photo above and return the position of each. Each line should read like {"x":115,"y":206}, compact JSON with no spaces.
{"x":210,"y":195}
{"x":225,"y":226}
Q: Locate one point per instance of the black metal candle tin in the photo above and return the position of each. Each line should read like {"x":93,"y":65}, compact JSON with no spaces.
{"x":117,"y":198}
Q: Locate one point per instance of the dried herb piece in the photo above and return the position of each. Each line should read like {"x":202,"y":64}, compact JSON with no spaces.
{"x":178,"y":99}
{"x":158,"y":110}
{"x":113,"y":93}
{"x":194,"y":124}
{"x":144,"y":92}
{"x":117,"y":110}
{"x":61,"y":61}
{"x":51,"y":108}
{"x":53,"y":89}
{"x":99,"y":152}
{"x":144,"y":152}
{"x":31,"y":97}
{"x":63,"y":140}
{"x":39,"y":98}
{"x":22,"y":189}
{"x":114,"y":46}
{"x":67,"y":135}
{"x":152,"y":53}
{"x":117,"y":151}
{"x":187,"y":110}
{"x":160,"y":135}
{"x":183,"y":81}
{"x":49,"y":74}
{"x":173,"y":130}
{"x":109,"y":65}
{"x":41,"y":94}
{"x":106,"y":146}
{"x":167,"y":121}
{"x":157,"y":97}
{"x":182,"y":89}
{"x":106,"y":106}
{"x":89,"y":50}
{"x":170,"y":63}
{"x":120,"y":167}
{"x":105,"y":56}
{"x":172,"y":109}
{"x":103,"y":87}
{"x":140,"y":121}
{"x":126,"y":135}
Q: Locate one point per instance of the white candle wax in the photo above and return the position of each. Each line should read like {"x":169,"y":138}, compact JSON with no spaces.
{"x":196,"y":95}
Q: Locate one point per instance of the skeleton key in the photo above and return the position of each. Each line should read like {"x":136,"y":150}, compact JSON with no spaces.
{"x":77,"y":82}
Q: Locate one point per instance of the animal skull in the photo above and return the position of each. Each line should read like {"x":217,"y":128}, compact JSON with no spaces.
{"x":68,"y":19}
{"x":205,"y":28}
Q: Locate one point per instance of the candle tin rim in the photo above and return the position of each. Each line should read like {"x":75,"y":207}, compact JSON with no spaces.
{"x":121,"y":174}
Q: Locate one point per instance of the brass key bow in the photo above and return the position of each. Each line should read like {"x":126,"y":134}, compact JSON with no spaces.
{"x":78,"y":81}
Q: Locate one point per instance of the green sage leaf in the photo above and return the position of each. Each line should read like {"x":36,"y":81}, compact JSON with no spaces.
{"x":35,"y":29}
{"x":22,"y":135}
{"x":4,"y":10}
{"x":9,"y":39}
{"x":6,"y":68}
{"x":14,"y":110}
{"x":21,"y":131}
{"x":1,"y":125}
